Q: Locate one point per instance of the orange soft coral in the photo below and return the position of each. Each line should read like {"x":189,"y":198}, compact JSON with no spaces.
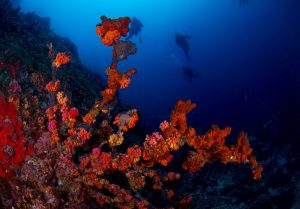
{"x":88,"y":119}
{"x":110,"y":37}
{"x":126,"y":120}
{"x":156,"y":150}
{"x":61,"y":59}
{"x":178,"y":115}
{"x":208,"y":147}
{"x":110,"y":30}
{"x":115,"y":81}
{"x":52,"y":86}
{"x":242,"y":153}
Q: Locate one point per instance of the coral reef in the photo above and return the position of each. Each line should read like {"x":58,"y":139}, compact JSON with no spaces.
{"x":47,"y":179}
{"x":73,"y":159}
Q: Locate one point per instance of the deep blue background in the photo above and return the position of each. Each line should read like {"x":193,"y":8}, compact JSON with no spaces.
{"x":247,"y":57}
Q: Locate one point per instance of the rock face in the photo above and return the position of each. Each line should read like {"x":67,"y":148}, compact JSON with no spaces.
{"x":24,"y":39}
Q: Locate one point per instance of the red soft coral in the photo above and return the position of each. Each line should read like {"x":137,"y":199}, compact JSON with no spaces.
{"x":12,"y":149}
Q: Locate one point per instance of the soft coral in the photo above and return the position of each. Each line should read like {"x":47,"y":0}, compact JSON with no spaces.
{"x":12,"y":149}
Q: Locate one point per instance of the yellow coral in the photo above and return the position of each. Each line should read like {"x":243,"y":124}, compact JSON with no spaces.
{"x":116,"y":139}
{"x":61,"y":99}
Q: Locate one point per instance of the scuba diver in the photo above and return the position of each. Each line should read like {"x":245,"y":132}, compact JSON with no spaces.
{"x":181,"y":41}
{"x":189,"y":73}
{"x":135,"y":28}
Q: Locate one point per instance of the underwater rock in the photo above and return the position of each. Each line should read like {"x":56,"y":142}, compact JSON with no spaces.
{"x":24,"y":39}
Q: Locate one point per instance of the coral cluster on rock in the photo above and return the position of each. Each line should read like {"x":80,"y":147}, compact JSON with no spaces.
{"x":61,"y":158}
{"x":24,"y":39}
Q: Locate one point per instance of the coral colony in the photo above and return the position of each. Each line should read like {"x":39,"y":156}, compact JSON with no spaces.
{"x":41,"y":166}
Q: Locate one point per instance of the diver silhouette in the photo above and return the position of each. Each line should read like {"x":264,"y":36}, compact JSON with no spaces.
{"x":135,"y":28}
{"x":189,"y":73}
{"x":181,"y":41}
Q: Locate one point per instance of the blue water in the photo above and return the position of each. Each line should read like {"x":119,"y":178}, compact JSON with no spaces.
{"x":247,"y":56}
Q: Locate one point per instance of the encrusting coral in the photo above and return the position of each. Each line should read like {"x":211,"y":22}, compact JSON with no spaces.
{"x":75,"y":161}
